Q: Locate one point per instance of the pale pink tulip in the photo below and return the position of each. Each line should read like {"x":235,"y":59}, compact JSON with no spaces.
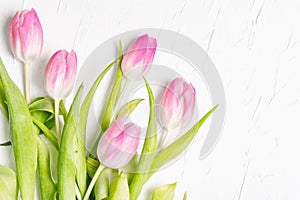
{"x":139,"y":57}
{"x":26,"y":35}
{"x":177,"y":104}
{"x":118,"y":144}
{"x":60,"y":74}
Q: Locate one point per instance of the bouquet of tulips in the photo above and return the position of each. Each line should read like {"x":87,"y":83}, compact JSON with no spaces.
{"x":43,"y":129}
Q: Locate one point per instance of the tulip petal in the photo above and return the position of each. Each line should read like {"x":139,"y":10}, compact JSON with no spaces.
{"x":139,"y":57}
{"x":118,"y":144}
{"x":26,"y":35}
{"x":177,"y":104}
{"x":60,"y":74}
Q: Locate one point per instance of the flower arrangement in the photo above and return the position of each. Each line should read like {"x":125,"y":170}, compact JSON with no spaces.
{"x":114,"y":169}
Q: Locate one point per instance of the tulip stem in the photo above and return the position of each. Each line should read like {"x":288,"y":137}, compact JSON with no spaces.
{"x":56,"y":113}
{"x":78,"y":195}
{"x":164,"y":140}
{"x":93,"y":182}
{"x":26,"y":79}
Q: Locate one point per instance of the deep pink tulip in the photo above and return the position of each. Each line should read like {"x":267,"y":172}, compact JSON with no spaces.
{"x":26,"y":35}
{"x":138,"y":59}
{"x":118,"y":144}
{"x":60,"y":74}
{"x":177,"y":104}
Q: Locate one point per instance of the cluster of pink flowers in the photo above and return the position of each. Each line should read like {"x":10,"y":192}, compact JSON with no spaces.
{"x":120,"y":141}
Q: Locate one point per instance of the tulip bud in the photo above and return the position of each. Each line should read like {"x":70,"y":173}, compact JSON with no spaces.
{"x":26,"y":35}
{"x":177,"y":104}
{"x":138,"y":59}
{"x":118,"y":144}
{"x":60,"y":74}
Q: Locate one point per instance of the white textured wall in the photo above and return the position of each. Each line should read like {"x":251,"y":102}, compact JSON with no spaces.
{"x":256,"y":48}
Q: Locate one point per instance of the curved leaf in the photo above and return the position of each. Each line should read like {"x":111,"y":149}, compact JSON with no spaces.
{"x":66,"y":170}
{"x":148,"y":152}
{"x":165,"y":192}
{"x":177,"y":147}
{"x":128,"y":108}
{"x":8,"y":184}
{"x":23,"y":135}
{"x":84,"y":111}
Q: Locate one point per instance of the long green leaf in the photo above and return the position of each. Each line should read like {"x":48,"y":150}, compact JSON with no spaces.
{"x":3,"y":105}
{"x":177,"y":147}
{"x":148,"y":152}
{"x":84,"y":111}
{"x":52,"y":138}
{"x":23,"y":136}
{"x":66,"y":165}
{"x":128,"y":108}
{"x":114,"y":95}
{"x":8,"y":184}
{"x":47,"y":185}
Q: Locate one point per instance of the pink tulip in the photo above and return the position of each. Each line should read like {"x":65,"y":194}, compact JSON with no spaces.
{"x":26,"y":35}
{"x":138,"y":59}
{"x":60,"y":74}
{"x":177,"y":104}
{"x":118,"y":144}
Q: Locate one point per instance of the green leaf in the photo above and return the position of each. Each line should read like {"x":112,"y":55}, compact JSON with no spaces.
{"x":177,"y":147}
{"x":3,"y":105}
{"x":131,"y":167}
{"x":4,"y":144}
{"x":128,"y":108}
{"x":185,"y":196}
{"x":119,"y":189}
{"x":114,"y":94}
{"x":148,"y":152}
{"x":42,"y":104}
{"x":46,"y":104}
{"x":52,"y":138}
{"x":165,"y":192}
{"x":8,"y":184}
{"x":47,"y":185}
{"x":63,"y":110}
{"x":101,"y":189}
{"x":66,"y":170}
{"x":23,"y":136}
{"x":50,"y":122}
{"x":81,"y":138}
{"x":92,"y":166}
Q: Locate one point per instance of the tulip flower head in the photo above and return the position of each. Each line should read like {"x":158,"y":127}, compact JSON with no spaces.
{"x":26,"y":35}
{"x":118,"y":144}
{"x":60,"y":74}
{"x":177,"y":104}
{"x":139,"y":57}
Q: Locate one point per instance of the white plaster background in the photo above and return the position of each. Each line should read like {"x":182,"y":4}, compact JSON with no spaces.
{"x":255,"y":45}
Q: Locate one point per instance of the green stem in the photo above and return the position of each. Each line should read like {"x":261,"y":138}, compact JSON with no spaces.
{"x":78,"y":195}
{"x":27,"y":83}
{"x":46,"y":132}
{"x":164,"y":140}
{"x":56,"y":113}
{"x":92,"y":184}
